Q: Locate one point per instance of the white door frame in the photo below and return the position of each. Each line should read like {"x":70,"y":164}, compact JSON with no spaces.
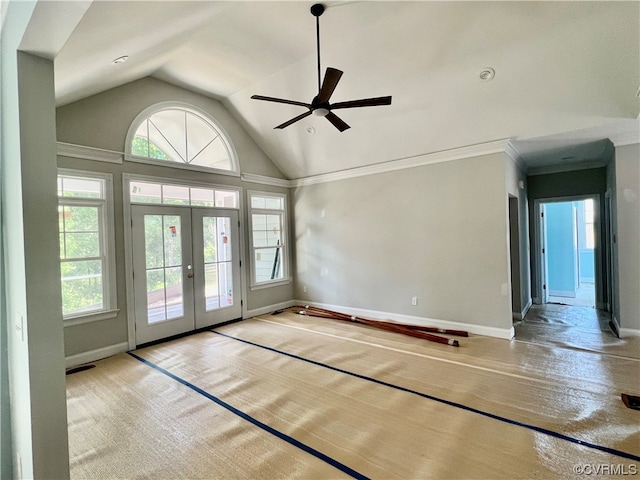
{"x":128,"y":238}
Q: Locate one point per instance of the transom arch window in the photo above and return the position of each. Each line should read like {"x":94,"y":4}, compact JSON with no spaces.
{"x":182,"y":136}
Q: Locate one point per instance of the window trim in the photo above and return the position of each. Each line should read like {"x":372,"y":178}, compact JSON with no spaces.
{"x":158,"y":107}
{"x":107,"y":239}
{"x":286,"y":279}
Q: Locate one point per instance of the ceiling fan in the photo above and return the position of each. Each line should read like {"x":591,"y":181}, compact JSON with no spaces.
{"x":320,"y":105}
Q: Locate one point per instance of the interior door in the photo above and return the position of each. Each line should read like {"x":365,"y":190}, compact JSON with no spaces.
{"x":216,"y":260}
{"x":162,"y":269}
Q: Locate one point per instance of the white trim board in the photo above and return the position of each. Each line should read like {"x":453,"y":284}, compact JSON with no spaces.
{"x":504,"y":333}
{"x":93,"y":355}
{"x":88,"y":153}
{"x":269,"y":308}
{"x":629,"y":332}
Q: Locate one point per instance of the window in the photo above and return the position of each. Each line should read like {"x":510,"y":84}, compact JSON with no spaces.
{"x":85,"y":216}
{"x":144,"y":191}
{"x":180,"y":136}
{"x":267,"y":213}
{"x":589,"y":221}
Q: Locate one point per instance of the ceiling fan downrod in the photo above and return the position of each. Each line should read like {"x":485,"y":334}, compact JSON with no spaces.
{"x":317,"y":10}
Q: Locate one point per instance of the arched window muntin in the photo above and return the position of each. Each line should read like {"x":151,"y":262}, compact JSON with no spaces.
{"x":170,"y":124}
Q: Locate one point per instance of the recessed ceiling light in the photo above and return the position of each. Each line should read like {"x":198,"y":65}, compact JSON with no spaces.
{"x":121,"y":59}
{"x":487,"y":74}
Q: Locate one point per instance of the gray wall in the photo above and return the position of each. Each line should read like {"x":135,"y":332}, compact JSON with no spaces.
{"x":102,"y":121}
{"x":31,"y":316}
{"x":438,"y":232}
{"x":627,"y":170}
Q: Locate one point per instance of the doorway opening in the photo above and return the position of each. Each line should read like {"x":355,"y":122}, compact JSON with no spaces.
{"x":568,"y":252}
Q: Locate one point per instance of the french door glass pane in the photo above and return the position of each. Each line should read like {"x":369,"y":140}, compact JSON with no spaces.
{"x":163,"y":250}
{"x":212,"y":290}
{"x":217,"y":258}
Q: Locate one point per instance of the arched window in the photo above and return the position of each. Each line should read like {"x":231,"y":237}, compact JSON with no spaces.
{"x":182,"y":136}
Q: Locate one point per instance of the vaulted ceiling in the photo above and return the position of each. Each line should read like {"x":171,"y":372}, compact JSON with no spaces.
{"x":567,"y":74}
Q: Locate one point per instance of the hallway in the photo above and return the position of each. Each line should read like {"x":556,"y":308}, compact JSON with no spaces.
{"x":575,"y":327}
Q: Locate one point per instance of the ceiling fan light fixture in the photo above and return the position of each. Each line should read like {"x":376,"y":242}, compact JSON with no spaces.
{"x":321,"y":112}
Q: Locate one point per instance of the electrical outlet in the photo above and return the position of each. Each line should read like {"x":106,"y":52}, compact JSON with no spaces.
{"x":304,"y":289}
{"x":414,"y":300}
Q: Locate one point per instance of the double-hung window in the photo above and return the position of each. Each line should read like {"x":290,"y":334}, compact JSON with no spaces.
{"x":267,"y":214}
{"x":87,"y":263}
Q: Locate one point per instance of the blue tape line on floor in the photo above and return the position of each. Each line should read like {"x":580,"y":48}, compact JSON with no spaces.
{"x":257,"y":423}
{"x":561,"y":436}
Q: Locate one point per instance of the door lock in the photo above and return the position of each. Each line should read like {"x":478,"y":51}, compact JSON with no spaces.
{"x":190,"y":274}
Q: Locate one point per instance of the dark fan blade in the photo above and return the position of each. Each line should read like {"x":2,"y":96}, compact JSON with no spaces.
{"x":294,"y":120}
{"x":367,"y":102}
{"x":280,"y":100}
{"x":337,"y":122}
{"x":331,"y":79}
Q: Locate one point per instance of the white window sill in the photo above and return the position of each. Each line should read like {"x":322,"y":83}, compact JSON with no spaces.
{"x":274,"y":283}
{"x":90,"y":317}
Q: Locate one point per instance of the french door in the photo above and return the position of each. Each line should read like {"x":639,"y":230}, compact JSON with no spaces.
{"x":186,"y":269}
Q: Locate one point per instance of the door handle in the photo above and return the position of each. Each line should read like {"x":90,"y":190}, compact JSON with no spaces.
{"x":190,"y":274}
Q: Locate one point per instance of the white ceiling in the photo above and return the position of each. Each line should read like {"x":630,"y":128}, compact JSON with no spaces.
{"x":567,"y":73}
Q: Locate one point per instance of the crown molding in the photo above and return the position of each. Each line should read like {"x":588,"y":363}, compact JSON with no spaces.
{"x":514,"y":154}
{"x":88,"y":153}
{"x":264,"y":180}
{"x":497,"y":146}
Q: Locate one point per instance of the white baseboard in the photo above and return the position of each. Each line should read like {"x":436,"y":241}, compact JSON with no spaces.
{"x":506,"y":333}
{"x":270,"y":308}
{"x":629,"y":332}
{"x":93,"y":355}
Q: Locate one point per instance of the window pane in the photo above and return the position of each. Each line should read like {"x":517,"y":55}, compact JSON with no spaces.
{"x":590,"y":236}
{"x":226,"y":284}
{"x":209,"y":239}
{"x":173,"y":279}
{"x":273,"y":203}
{"x":226,"y":199}
{"x":80,"y":219}
{"x":215,"y":155}
{"x":212,"y":294}
{"x":202,"y":197}
{"x":156,"y":311}
{"x":82,"y":187}
{"x":224,"y":239}
{"x":167,"y":131}
{"x":142,"y":192}
{"x":268,"y":264}
{"x":140,"y":143}
{"x":258,"y":202}
{"x":82,"y":245}
{"x":153,"y":241}
{"x":172,"y":241}
{"x":200,"y":135}
{"x":175,"y":195}
{"x":81,"y":286}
